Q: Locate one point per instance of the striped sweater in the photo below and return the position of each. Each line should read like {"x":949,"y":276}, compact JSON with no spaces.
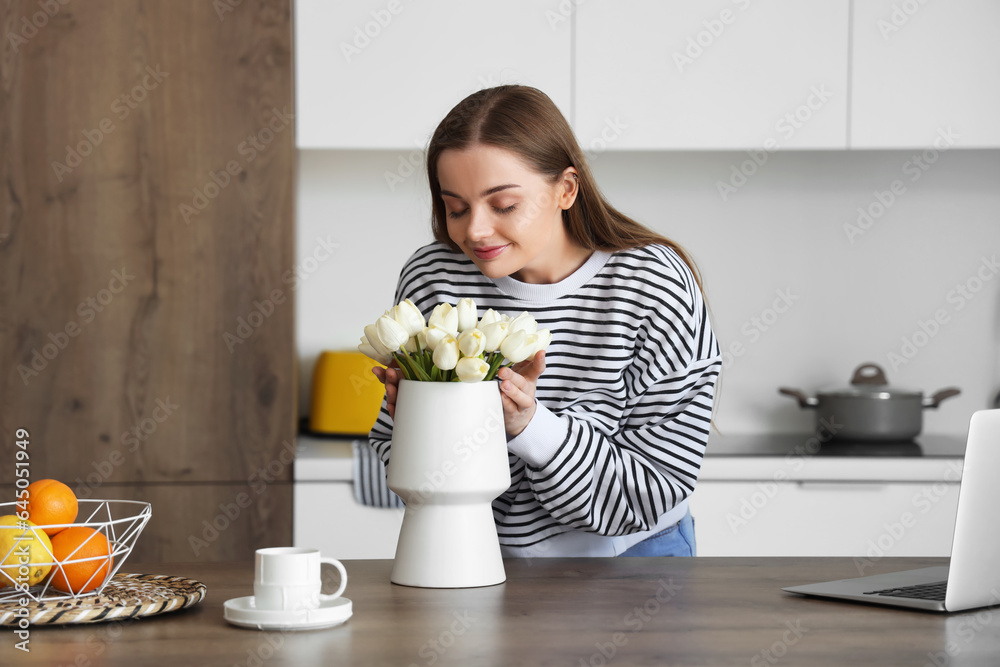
{"x":623,"y":407}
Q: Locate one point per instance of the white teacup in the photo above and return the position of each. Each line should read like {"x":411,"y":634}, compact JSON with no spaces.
{"x":288,"y":578}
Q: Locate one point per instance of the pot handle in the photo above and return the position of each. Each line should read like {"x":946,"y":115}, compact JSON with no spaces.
{"x":869,"y":374}
{"x":804,"y":401}
{"x":935,"y":400}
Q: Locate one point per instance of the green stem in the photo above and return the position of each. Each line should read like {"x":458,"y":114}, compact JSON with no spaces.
{"x":495,"y":359}
{"x":421,"y":374}
{"x":404,"y":366}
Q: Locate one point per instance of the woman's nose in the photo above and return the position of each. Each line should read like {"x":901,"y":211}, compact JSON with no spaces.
{"x":480,"y":226}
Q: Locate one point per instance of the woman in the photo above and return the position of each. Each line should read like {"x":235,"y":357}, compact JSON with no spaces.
{"x":607,"y":428}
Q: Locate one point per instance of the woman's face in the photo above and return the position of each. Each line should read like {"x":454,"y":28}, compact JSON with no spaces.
{"x":504,"y":216}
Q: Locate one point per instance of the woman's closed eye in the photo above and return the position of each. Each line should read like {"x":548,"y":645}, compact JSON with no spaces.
{"x":502,"y":211}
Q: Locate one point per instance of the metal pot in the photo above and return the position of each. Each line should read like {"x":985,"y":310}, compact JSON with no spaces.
{"x":869,"y":409}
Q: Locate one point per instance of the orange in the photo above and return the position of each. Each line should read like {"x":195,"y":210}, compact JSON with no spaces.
{"x":51,"y":502}
{"x":76,"y":543}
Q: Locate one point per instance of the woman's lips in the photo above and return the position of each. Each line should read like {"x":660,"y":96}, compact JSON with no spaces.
{"x":489,"y":252}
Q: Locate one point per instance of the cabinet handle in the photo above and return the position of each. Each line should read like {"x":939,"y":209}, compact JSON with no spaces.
{"x":842,"y":486}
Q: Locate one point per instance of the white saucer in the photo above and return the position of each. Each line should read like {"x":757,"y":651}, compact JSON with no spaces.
{"x":244,"y":613}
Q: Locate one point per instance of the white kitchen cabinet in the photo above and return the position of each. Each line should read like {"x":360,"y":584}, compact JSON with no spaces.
{"x":725,"y":74}
{"x":763,"y":518}
{"x":866,"y":520}
{"x":920,"y":68}
{"x":326,"y":517}
{"x":750,"y":504}
{"x":380,"y":74}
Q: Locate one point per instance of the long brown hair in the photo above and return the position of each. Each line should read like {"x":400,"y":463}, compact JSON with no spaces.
{"x":525,"y":121}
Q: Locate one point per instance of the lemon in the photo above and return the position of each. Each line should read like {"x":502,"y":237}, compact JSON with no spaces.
{"x":15,"y":543}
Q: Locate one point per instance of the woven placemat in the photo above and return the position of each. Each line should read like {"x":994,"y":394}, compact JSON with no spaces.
{"x":125,"y":596}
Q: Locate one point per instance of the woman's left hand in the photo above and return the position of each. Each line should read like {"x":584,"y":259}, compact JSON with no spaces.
{"x":517,"y":392}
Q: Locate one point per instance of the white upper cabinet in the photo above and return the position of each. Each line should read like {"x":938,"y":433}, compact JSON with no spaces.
{"x":657,"y":75}
{"x":719,"y":74}
{"x":382,"y":73}
{"x":925,"y":72}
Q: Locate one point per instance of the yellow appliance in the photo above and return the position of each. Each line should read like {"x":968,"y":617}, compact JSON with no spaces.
{"x":346,"y":395}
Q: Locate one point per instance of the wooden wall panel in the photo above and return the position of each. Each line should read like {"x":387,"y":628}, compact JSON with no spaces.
{"x":146,"y":207}
{"x":204,"y":522}
{"x":210,"y":522}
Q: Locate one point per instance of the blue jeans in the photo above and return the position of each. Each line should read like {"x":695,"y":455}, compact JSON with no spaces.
{"x":677,"y":540}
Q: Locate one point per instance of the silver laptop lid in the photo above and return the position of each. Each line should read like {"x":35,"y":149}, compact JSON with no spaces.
{"x":974,"y":573}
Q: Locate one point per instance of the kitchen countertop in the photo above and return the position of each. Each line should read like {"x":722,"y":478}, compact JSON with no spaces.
{"x":736,"y":457}
{"x":804,"y":457}
{"x":590,"y":611}
{"x":808,"y":444}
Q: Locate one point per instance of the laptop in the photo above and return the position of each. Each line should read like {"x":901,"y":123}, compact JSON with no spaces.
{"x":972,"y":578}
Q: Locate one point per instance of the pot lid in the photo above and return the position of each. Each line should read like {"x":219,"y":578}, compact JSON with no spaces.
{"x":869,"y":381}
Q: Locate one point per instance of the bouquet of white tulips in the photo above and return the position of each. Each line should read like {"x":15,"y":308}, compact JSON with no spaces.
{"x":454,"y":344}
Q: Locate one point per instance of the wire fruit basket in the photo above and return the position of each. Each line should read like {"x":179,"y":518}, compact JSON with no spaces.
{"x":119,"y":521}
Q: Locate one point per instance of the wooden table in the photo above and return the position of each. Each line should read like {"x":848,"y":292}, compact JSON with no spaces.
{"x":631,"y":611}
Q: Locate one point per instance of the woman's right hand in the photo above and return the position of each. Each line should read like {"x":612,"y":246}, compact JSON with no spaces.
{"x":390,"y":377}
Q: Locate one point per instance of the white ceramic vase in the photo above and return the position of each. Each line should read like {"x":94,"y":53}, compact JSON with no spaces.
{"x":448,"y":463}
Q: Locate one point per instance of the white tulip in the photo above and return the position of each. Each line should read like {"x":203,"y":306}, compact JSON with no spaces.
{"x":472,"y":342}
{"x":471,"y":369}
{"x":390,"y":333}
{"x":409,"y":316}
{"x":433,"y":335}
{"x":410,"y":303}
{"x":489,"y":317}
{"x":519,"y":346}
{"x":369,"y":351}
{"x":524,"y":322}
{"x":446,"y":353}
{"x":544,"y":338}
{"x":412,"y":346}
{"x":468,"y":314}
{"x":495,"y":333}
{"x":371,"y":337}
{"x":445,"y":317}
